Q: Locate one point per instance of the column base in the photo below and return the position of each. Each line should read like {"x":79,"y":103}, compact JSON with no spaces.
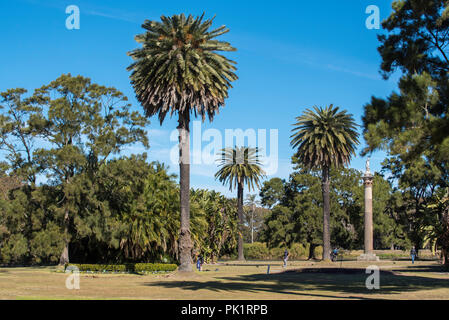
{"x":368,"y":257}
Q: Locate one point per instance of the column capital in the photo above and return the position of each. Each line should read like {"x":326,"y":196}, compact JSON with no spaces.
{"x":368,"y":179}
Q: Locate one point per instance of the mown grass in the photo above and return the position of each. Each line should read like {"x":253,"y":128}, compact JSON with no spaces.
{"x":234,"y":280}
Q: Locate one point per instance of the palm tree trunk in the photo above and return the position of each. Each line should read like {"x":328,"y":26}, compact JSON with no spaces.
{"x":326,"y":214}
{"x":240,"y":214}
{"x":185,"y":242}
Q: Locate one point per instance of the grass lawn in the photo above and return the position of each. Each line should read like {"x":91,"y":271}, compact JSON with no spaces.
{"x":233,"y":280}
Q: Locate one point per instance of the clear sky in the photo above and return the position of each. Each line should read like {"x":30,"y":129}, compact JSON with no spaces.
{"x":291,"y":55}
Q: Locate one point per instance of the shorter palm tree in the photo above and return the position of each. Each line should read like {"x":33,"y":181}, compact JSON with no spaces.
{"x":325,"y":137}
{"x":240,"y":166}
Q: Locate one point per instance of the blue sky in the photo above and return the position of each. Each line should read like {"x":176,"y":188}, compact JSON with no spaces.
{"x":291,"y":55}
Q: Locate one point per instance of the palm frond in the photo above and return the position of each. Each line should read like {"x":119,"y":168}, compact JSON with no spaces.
{"x":178,"y":67}
{"x":240,"y":165}
{"x":325,"y":137}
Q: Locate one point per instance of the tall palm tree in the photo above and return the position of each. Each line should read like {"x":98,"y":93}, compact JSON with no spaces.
{"x":325,"y":137}
{"x":240,"y":166}
{"x":178,"y":70}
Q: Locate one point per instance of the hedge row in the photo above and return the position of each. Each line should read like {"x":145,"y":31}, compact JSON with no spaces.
{"x":130,"y":267}
{"x":260,"y":251}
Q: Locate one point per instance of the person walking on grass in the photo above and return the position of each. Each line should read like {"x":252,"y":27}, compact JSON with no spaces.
{"x":413,"y":254}
{"x":199,"y":262}
{"x":285,"y":258}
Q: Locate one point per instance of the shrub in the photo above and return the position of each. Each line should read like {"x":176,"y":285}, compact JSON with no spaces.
{"x":277,"y":253}
{"x":260,"y":251}
{"x":130,"y":267}
{"x":297,"y":251}
{"x":318,"y":252}
{"x":256,"y":250}
{"x":154,"y":267}
{"x":14,"y":250}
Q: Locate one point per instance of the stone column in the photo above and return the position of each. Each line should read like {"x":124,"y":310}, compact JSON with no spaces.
{"x":368,"y":183}
{"x":368,"y":255}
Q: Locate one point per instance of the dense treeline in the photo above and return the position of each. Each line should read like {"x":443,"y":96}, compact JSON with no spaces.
{"x":90,"y":206}
{"x":128,"y":213}
{"x":297,"y":203}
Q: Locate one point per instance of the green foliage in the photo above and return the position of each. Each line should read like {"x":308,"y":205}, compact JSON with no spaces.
{"x":298,"y":251}
{"x":46,"y":244}
{"x":14,"y":250}
{"x":279,"y":227}
{"x":260,"y":251}
{"x":297,"y":218}
{"x":240,"y":165}
{"x":65,"y":130}
{"x":151,"y":215}
{"x":318,"y":252}
{"x":256,"y":251}
{"x":154,"y":267}
{"x":127,"y":212}
{"x":272,"y":192}
{"x":214,"y":223}
{"x":325,"y":137}
{"x":178,"y":67}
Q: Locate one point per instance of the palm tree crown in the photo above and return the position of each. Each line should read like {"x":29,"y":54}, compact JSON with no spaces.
{"x":240,"y":165}
{"x":325,"y":137}
{"x":177,"y":68}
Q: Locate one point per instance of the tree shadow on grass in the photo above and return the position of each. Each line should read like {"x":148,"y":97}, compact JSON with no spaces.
{"x":422,"y":268}
{"x":347,"y":284}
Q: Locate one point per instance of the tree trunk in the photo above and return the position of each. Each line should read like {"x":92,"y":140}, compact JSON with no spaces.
{"x":64,"y":258}
{"x":185,"y":242}
{"x":444,"y":239}
{"x":240,"y":214}
{"x":311,"y":251}
{"x":252,"y":225}
{"x":326,"y":214}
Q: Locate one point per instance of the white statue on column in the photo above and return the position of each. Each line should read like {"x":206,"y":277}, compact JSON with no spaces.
{"x":367,"y":167}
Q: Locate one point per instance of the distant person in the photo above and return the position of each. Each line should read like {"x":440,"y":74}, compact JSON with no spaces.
{"x":413,"y":254}
{"x":285,"y":258}
{"x":334,"y":254}
{"x":199,"y":262}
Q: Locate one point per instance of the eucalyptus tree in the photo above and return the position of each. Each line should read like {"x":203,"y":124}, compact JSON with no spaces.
{"x":252,"y":203}
{"x":82,"y":125}
{"x":325,"y":138}
{"x":272,"y":192}
{"x":17,"y":134}
{"x":178,"y":70}
{"x":240,"y":166}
